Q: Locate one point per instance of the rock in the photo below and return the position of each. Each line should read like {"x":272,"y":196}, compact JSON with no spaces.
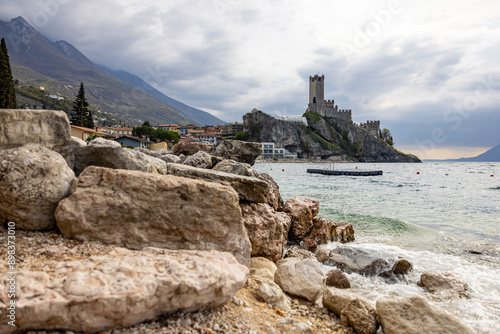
{"x":337,"y":279}
{"x":248,"y":188}
{"x":107,"y":154}
{"x":121,"y":289}
{"x":189,"y":148}
{"x":240,"y":151}
{"x":161,"y":154}
{"x":267,"y":229}
{"x":33,"y":179}
{"x":413,"y":315}
{"x":263,"y":268}
{"x":321,"y":231}
{"x":272,"y":294}
{"x":300,"y":277}
{"x":443,"y":284}
{"x":234,"y":167}
{"x":274,"y":199}
{"x":136,"y":209}
{"x":309,"y":243}
{"x":302,"y":210}
{"x":358,"y":261}
{"x":361,"y":316}
{"x":402,"y":267}
{"x":342,"y":232}
{"x":200,"y":159}
{"x":322,"y":254}
{"x":299,"y":253}
{"x":47,"y":128}
{"x":337,"y":299}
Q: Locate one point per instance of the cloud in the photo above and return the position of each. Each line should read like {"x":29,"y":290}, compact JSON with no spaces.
{"x":407,"y":64}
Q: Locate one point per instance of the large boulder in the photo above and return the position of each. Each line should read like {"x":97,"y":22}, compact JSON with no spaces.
{"x":337,"y":300}
{"x":106,"y":153}
{"x":120,"y":289}
{"x":238,"y":150}
{"x":200,"y":159}
{"x":248,"y":188}
{"x":302,"y":210}
{"x":413,"y":315}
{"x":274,"y":199}
{"x":300,"y":277}
{"x":189,"y":148}
{"x":361,"y":316}
{"x":235,"y":167}
{"x":136,"y":209}
{"x":161,"y":154}
{"x":443,"y":284}
{"x":267,"y":229}
{"x":48,"y":128}
{"x":342,"y":232}
{"x":33,"y":179}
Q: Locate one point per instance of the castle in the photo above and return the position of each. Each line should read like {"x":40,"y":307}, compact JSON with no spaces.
{"x":327,"y":108}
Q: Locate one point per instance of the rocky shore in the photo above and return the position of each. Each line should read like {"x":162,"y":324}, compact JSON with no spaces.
{"x":193,"y":240}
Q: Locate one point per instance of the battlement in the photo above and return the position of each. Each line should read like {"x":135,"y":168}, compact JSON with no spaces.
{"x":329,"y":101}
{"x":345,"y":110}
{"x":317,"y":78}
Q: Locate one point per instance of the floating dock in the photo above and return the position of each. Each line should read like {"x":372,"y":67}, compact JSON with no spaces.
{"x":345,"y":172}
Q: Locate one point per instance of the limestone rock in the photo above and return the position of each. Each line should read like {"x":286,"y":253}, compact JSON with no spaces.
{"x":299,"y":253}
{"x":309,"y":243}
{"x":200,"y":159}
{"x":322,"y":254}
{"x":107,"y":154}
{"x":361,"y":316}
{"x":274,"y":199}
{"x":48,"y":128}
{"x":189,"y":148}
{"x":121,"y":289}
{"x":267,"y":229}
{"x":101,"y":142}
{"x":33,"y":179}
{"x":300,"y":277}
{"x":235,"y":167}
{"x":272,"y":294}
{"x":337,"y":279}
{"x":443,"y":284}
{"x":238,"y":150}
{"x":337,"y":299}
{"x":161,"y":154}
{"x":262,"y":268}
{"x":342,"y":232}
{"x":413,"y":315}
{"x":321,"y":230}
{"x":302,"y":210}
{"x":248,"y":188}
{"x":136,"y":209}
{"x":358,"y":261}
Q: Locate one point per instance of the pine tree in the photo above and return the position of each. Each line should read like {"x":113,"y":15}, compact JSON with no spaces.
{"x":82,"y":116}
{"x":7,"y":92}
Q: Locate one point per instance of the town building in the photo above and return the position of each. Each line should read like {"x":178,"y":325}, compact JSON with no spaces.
{"x":122,"y":131}
{"x":134,"y":142}
{"x":169,"y":127}
{"x":272,"y":151}
{"x":83,"y":133}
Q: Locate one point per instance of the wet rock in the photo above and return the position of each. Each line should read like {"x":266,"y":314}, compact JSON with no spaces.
{"x":413,"y":315}
{"x":266,"y":228}
{"x":33,"y":179}
{"x":309,"y":243}
{"x":189,"y":148}
{"x":402,"y":267}
{"x":358,"y":261}
{"x":361,"y":316}
{"x":136,"y":209}
{"x":272,"y":294}
{"x":302,"y":210}
{"x":200,"y":159}
{"x":274,"y":199}
{"x":300,"y":277}
{"x":342,"y":232}
{"x":248,"y":188}
{"x":237,"y":150}
{"x":322,"y":254}
{"x":336,"y":278}
{"x":443,"y":284}
{"x":121,"y":289}
{"x":234,"y":167}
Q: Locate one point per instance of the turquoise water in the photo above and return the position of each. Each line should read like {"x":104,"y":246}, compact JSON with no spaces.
{"x":443,"y":216}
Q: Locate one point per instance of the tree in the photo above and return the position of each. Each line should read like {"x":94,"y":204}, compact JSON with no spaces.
{"x":386,"y":136}
{"x":7,"y":92}
{"x":82,"y":116}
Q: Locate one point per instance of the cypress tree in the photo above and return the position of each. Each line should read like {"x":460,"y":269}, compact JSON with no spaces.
{"x":7,"y":92}
{"x":82,"y":116}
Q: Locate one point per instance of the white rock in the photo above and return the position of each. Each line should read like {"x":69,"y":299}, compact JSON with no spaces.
{"x":300,"y":277}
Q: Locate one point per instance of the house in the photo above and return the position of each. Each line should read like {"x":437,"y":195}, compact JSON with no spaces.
{"x":162,"y":145}
{"x":133,"y":142}
{"x":272,"y":151}
{"x":233,"y":128}
{"x":123,"y":131}
{"x":83,"y":133}
{"x":169,"y":127}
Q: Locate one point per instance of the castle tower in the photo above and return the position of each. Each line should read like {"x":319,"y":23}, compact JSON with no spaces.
{"x":316,"y":93}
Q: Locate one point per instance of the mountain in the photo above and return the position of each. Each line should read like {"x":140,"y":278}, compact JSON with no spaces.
{"x":201,"y":116}
{"x":492,"y":155}
{"x":323,"y":137}
{"x":60,"y":67}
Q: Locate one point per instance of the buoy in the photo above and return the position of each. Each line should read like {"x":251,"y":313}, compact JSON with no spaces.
{"x":283,"y":170}
{"x":491,"y":175}
{"x":418,"y":172}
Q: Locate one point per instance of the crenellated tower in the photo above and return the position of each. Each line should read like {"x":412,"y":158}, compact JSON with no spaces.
{"x":316,"y":93}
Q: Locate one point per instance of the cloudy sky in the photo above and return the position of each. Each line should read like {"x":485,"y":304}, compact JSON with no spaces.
{"x":428,"y":70}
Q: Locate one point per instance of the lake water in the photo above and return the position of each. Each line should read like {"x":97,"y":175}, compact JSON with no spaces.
{"x":441,"y":216}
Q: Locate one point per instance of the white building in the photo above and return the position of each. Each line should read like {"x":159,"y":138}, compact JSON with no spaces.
{"x":272,"y":151}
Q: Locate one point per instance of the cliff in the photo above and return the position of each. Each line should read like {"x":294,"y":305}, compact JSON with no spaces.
{"x":322,"y":137}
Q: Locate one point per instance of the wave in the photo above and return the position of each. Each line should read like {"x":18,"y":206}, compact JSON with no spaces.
{"x":495,"y":188}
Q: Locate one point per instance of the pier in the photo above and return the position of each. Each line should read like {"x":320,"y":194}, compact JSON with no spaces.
{"x":345,"y":172}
